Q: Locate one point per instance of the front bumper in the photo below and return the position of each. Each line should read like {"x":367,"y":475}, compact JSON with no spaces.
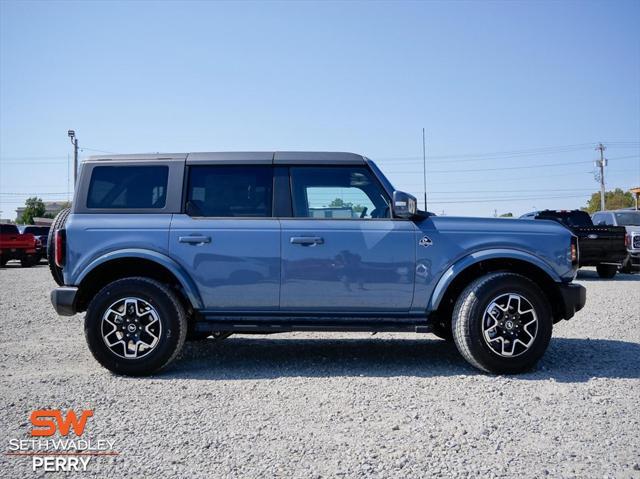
{"x":574,"y":298}
{"x":64,"y":300}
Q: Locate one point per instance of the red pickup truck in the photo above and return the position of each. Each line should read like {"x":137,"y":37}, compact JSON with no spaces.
{"x":14,"y":245}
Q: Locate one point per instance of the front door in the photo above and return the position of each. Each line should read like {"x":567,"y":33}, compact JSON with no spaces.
{"x":341,"y":251}
{"x":228,"y":239}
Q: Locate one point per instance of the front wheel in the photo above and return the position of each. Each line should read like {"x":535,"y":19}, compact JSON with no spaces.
{"x":606,"y":271}
{"x":502,"y":323}
{"x":135,"y":326}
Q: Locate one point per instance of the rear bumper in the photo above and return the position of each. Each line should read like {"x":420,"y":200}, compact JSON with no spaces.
{"x":574,"y":298}
{"x":64,"y":300}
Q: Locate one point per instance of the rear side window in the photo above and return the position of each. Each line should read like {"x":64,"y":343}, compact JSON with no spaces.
{"x":230,"y":191}
{"x":134,"y":187}
{"x":37,"y":230}
{"x":9,"y":229}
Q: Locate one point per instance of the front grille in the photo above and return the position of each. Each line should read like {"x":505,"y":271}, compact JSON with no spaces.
{"x":636,"y":241}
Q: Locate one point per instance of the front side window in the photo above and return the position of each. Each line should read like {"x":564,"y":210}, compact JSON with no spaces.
{"x":132,"y":187}
{"x":337,"y":193}
{"x":230,"y":191}
{"x":631,"y":218}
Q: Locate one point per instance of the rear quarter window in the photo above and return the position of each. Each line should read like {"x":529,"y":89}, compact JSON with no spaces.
{"x":9,"y":229}
{"x":128,"y":187}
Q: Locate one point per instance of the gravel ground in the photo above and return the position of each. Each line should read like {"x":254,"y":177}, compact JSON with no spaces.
{"x":317,"y":405}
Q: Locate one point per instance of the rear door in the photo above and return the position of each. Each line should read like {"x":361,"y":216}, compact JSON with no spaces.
{"x":341,"y":251}
{"x":227,"y":238}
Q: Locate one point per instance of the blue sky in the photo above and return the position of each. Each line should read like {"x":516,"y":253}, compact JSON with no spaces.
{"x":547,"y":80}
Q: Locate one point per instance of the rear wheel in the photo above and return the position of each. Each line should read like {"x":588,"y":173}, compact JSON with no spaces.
{"x":627,"y":267}
{"x":29,"y":261}
{"x":607,"y":271}
{"x":135,"y":326}
{"x":502,"y":323}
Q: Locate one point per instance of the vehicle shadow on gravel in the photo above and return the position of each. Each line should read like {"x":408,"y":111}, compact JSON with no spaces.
{"x":245,"y":357}
{"x":587,"y":275}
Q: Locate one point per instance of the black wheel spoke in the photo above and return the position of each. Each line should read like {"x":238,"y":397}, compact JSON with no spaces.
{"x":131,"y":328}
{"x":509,"y":325}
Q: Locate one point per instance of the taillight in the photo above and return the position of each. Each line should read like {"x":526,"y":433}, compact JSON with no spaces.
{"x":59,"y":248}
{"x":574,"y":250}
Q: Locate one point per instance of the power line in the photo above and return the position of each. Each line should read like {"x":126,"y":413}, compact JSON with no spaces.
{"x":515,"y":198}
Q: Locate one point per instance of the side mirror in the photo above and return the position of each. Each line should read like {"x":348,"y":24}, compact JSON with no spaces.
{"x":404,"y":205}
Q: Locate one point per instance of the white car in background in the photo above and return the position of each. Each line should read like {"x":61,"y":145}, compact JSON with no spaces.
{"x":630,"y":219}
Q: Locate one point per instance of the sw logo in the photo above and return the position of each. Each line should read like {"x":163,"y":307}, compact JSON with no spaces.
{"x":45,"y":424}
{"x":47,"y":421}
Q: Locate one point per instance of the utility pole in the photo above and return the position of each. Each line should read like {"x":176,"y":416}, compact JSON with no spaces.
{"x":74,"y":141}
{"x":601,"y":163}
{"x":424,"y":168}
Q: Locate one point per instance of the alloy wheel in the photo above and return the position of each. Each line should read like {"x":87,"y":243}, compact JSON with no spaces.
{"x":131,"y":328}
{"x":509,"y":325}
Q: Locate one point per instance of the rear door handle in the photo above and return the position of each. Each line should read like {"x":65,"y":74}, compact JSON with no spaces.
{"x":193,"y":239}
{"x":307,"y":240}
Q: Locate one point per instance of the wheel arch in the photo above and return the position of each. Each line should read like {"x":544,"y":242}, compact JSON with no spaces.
{"x":462,"y":273}
{"x":120,"y":264}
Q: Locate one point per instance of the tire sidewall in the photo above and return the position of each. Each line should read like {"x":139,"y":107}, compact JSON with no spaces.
{"x":484,"y":295}
{"x":169,"y":315}
{"x":606,"y":271}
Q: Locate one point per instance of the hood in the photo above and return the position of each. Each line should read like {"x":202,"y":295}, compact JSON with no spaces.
{"x":495,"y":225}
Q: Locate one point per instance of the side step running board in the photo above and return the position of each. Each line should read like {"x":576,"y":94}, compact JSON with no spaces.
{"x":255,"y":325}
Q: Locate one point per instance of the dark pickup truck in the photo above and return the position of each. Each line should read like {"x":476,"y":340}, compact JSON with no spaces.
{"x":601,"y":246}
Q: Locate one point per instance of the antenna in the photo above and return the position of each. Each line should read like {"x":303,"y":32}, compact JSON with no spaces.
{"x":424,"y":168}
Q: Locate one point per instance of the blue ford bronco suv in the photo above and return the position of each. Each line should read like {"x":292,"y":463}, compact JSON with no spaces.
{"x":159,"y":249}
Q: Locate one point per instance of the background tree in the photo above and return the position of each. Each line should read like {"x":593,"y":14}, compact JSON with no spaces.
{"x":34,"y":208}
{"x":339,"y":203}
{"x":613,"y":200}
{"x":506,"y":215}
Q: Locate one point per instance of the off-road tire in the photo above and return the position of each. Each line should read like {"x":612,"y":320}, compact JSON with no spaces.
{"x":171,"y":314}
{"x":58,"y":223}
{"x":468,"y":317}
{"x":29,"y":261}
{"x":627,"y":266}
{"x":606,"y":271}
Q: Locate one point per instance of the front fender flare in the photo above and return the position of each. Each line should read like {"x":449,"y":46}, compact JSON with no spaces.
{"x":473,"y":258}
{"x":185,"y":280}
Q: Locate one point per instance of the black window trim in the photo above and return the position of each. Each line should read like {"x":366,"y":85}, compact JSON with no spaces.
{"x":282,"y":200}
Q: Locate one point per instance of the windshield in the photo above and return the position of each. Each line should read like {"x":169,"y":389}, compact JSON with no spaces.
{"x":631,"y":218}
{"x":37,"y":230}
{"x":571,"y":218}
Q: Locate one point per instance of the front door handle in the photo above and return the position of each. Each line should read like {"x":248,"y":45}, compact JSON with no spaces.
{"x":307,"y":240}
{"x":194,"y":239}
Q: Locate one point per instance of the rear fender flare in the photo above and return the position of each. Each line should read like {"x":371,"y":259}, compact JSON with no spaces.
{"x":183,"y":278}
